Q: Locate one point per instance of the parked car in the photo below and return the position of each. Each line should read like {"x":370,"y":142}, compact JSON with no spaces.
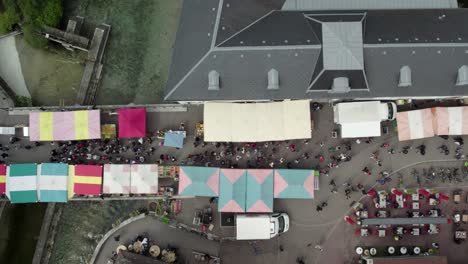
{"x":456,"y":197}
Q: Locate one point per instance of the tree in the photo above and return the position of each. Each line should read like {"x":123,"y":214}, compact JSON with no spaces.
{"x":9,"y":17}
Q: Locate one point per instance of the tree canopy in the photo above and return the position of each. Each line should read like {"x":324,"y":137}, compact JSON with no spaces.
{"x":30,"y":15}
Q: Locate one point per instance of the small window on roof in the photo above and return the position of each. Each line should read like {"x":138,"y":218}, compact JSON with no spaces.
{"x":273,"y":80}
{"x":462,"y":77}
{"x":213,"y":80}
{"x":405,"y":77}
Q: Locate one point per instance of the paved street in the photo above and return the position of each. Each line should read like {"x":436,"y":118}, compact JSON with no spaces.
{"x":308,"y":227}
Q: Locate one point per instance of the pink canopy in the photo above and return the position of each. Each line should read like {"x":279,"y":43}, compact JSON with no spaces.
{"x":396,"y":192}
{"x":450,"y":120}
{"x":415,"y":124}
{"x":371,"y":192}
{"x":132,"y":122}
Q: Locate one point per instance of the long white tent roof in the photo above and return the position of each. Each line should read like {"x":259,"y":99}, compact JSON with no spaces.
{"x":256,"y":122}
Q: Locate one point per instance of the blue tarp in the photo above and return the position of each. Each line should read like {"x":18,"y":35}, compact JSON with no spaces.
{"x":173,"y":139}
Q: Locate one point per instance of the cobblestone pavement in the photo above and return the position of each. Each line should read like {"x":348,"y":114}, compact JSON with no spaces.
{"x":308,"y":227}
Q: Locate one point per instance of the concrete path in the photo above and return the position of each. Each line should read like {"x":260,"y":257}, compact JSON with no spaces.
{"x":10,"y":66}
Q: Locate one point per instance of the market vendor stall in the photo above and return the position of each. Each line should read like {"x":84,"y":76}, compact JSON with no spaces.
{"x":144,"y":178}
{"x":259,"y":196}
{"x":21,"y":183}
{"x":232,"y":190}
{"x":116,"y":179}
{"x":52,"y":182}
{"x":415,"y":124}
{"x":3,"y":173}
{"x":86,"y":179}
{"x":66,"y":125}
{"x":198,"y":181}
{"x":294,"y":183}
{"x":132,"y":122}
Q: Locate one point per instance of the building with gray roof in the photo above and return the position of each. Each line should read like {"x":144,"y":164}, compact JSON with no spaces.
{"x":317,"y":51}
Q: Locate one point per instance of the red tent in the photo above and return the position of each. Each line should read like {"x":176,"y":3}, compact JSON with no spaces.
{"x":423,"y":192}
{"x":443,"y":197}
{"x":132,"y":122}
{"x":371,"y":192}
{"x":349,"y":220}
{"x":396,"y":192}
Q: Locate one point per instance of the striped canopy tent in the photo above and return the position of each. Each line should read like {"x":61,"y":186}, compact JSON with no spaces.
{"x":259,"y":198}
{"x":415,"y":124}
{"x":132,"y":122}
{"x":144,"y":178}
{"x":116,"y":179}
{"x":21,"y":183}
{"x":198,"y":181}
{"x":53,"y":182}
{"x":450,"y":120}
{"x":294,"y":184}
{"x":60,"y":126}
{"x":232,"y":190}
{"x":86,"y":179}
{"x":3,"y":171}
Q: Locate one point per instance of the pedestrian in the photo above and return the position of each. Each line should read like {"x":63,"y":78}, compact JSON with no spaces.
{"x":435,"y":245}
{"x":319,"y":248}
{"x":321,"y":144}
{"x":332,"y":183}
{"x":319,"y":208}
{"x":358,"y":141}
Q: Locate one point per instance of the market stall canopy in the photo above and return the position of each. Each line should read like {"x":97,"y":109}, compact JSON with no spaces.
{"x":256,"y":122}
{"x":450,"y":120}
{"x":132,"y":122}
{"x":404,"y":221}
{"x":259,"y":198}
{"x":174,"y":139}
{"x":294,"y":183}
{"x":60,"y":126}
{"x":3,"y":173}
{"x":108,"y":131}
{"x":360,"y":130}
{"x":21,"y":183}
{"x":144,"y":178}
{"x":116,"y":178}
{"x":415,"y":124}
{"x":87,"y":179}
{"x":53,"y":182}
{"x":198,"y":181}
{"x":7,"y":130}
{"x":232,"y":190}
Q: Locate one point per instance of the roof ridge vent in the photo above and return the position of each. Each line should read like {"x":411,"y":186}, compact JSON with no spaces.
{"x":462,"y":77}
{"x":213,"y":80}
{"x":273,"y":80}
{"x":340,"y":85}
{"x":405,"y":77}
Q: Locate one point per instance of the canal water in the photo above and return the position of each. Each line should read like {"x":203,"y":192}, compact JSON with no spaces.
{"x":20,"y":225}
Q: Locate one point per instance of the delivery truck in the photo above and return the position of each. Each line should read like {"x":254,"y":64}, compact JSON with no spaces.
{"x":261,"y":226}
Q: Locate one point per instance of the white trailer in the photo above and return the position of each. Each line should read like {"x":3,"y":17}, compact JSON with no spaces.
{"x":362,"y":119}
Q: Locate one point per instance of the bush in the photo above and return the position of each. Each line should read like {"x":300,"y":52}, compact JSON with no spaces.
{"x":9,"y":17}
{"x":23,"y":101}
{"x":32,"y":37}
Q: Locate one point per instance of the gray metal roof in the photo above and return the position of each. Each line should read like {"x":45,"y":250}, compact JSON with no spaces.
{"x":433,"y":43}
{"x":366,"y":4}
{"x":342,"y":46}
{"x":244,"y":74}
{"x":194,"y":37}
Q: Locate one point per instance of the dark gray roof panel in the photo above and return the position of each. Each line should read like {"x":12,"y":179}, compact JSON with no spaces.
{"x":243,"y":75}
{"x":433,"y":71}
{"x":416,"y":26}
{"x":325,"y":80}
{"x":193,"y":39}
{"x":238,"y":14}
{"x":276,"y":29}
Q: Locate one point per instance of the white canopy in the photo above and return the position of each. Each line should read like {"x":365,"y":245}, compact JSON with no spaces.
{"x":255,"y":122}
{"x":358,"y":130}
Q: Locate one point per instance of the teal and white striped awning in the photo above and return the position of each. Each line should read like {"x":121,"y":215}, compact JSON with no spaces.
{"x":21,"y":183}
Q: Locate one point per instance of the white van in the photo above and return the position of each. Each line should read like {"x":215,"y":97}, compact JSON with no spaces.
{"x":261,"y":226}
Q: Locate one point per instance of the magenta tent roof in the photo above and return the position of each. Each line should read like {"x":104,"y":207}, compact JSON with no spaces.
{"x":132,"y":122}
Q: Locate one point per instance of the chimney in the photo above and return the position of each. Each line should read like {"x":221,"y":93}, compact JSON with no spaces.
{"x":340,"y":85}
